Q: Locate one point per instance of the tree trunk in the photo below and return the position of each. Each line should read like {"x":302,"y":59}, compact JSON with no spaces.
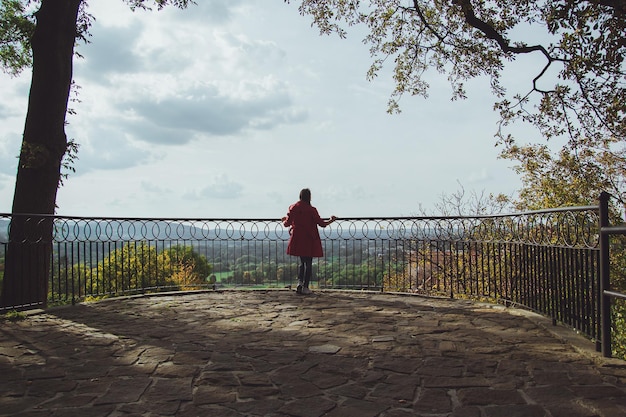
{"x":28,"y":257}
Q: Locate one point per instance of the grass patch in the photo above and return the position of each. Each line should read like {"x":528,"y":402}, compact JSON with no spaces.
{"x":13,"y":316}
{"x":222,"y":276}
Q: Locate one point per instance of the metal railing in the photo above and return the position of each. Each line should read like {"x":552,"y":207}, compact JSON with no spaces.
{"x":607,"y":294}
{"x":547,"y":261}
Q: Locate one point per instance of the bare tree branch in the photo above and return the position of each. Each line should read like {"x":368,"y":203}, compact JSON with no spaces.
{"x":618,"y":5}
{"x":491,"y":33}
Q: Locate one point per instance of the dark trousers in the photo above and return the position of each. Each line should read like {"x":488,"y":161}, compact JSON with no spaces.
{"x":305,"y":270}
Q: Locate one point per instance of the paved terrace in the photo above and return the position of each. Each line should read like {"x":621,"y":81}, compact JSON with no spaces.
{"x":273,"y":353}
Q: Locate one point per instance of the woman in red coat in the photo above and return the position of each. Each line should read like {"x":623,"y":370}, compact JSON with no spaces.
{"x":304,"y":240}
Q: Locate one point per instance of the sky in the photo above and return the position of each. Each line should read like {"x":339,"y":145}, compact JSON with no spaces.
{"x":229,"y":108}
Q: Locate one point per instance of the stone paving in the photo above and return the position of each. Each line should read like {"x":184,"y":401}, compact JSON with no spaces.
{"x":274,"y":353}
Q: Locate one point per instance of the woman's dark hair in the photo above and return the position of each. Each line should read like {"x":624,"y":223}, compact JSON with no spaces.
{"x":305,"y":195}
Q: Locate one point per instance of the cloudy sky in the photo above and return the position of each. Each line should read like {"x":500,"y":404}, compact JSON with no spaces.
{"x":229,"y":108}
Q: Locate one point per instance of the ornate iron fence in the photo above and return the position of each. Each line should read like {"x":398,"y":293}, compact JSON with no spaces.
{"x":546,"y":261}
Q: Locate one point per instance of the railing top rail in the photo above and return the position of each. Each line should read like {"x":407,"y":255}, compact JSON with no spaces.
{"x":275,"y":219}
{"x":614,"y":230}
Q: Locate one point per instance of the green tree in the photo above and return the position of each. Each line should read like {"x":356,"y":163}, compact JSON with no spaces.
{"x":569,"y":176}
{"x":183,"y":267}
{"x":137,"y":267}
{"x":130,"y":268}
{"x":51,"y":33}
{"x":16,"y":30}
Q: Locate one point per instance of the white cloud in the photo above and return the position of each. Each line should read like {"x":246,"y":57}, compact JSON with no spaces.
{"x":204,"y":110}
{"x":110,"y":51}
{"x":221,"y":187}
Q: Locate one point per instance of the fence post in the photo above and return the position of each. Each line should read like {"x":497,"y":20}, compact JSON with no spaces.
{"x":605,"y":282}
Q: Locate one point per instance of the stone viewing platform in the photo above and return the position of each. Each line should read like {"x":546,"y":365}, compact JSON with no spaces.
{"x":274,"y":353}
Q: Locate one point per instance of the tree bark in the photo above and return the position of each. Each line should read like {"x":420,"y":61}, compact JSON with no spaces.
{"x":44,"y":144}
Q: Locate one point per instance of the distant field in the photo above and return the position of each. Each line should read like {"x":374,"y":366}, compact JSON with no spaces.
{"x":220,"y":276}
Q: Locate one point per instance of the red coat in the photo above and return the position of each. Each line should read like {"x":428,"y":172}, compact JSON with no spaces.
{"x":304,"y":237}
